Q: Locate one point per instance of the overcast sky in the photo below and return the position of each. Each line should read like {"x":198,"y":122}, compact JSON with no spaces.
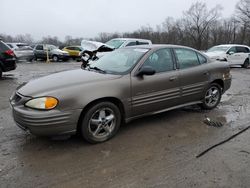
{"x":87,"y":18}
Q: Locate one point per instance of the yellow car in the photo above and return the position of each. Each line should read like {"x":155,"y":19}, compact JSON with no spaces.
{"x":73,"y":51}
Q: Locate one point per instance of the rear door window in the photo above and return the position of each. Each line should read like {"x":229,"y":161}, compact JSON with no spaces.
{"x":186,"y":58}
{"x":241,"y":49}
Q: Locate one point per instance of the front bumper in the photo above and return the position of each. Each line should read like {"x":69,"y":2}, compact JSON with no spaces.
{"x":44,"y":123}
{"x":227,"y":84}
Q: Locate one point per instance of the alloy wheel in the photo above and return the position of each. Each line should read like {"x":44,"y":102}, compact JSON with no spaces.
{"x":102,"y":123}
{"x":212,"y":96}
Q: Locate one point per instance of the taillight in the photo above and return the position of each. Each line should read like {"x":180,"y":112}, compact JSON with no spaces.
{"x":10,"y":52}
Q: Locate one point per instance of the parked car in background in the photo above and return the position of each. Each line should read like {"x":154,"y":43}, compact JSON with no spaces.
{"x":7,"y":58}
{"x":235,"y":54}
{"x":22,"y":51}
{"x":74,"y":51}
{"x":54,"y":53}
{"x":123,"y":85}
{"x":123,"y":42}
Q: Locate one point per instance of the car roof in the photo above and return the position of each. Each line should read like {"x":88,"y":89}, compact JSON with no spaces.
{"x":156,"y":46}
{"x":230,"y":45}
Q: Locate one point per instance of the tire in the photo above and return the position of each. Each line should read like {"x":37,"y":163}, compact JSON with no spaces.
{"x":1,"y":73}
{"x":246,"y":64}
{"x":212,"y":97}
{"x":30,"y":59}
{"x":55,"y":58}
{"x":101,"y":122}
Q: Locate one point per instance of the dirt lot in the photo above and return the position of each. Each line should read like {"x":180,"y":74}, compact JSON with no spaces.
{"x":156,"y":151}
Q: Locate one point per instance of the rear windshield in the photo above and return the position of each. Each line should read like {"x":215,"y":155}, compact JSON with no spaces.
{"x":3,"y":47}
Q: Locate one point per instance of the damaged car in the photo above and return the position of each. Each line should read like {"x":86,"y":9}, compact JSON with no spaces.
{"x":93,"y":50}
{"x":123,"y":85}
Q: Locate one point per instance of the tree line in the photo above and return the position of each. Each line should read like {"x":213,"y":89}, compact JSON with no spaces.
{"x":199,"y":27}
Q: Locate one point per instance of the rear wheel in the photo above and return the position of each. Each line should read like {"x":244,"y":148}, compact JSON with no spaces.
{"x":101,"y":122}
{"x":212,"y":97}
{"x":246,"y":63}
{"x":1,"y":73}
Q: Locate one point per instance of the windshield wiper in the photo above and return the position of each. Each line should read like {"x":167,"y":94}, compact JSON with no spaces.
{"x":97,"y":69}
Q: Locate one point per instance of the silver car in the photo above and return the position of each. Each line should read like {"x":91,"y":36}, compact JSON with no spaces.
{"x":22,"y":51}
{"x":125,"y":84}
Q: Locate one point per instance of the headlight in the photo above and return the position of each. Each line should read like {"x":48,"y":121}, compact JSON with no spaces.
{"x":42,"y":103}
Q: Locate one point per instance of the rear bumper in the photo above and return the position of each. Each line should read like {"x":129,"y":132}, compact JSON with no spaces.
{"x":46,"y":123}
{"x":9,"y":64}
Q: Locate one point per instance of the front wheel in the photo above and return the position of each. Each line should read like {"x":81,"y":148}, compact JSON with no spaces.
{"x":55,"y":58}
{"x":101,"y":122}
{"x":246,"y":64}
{"x":212,"y":97}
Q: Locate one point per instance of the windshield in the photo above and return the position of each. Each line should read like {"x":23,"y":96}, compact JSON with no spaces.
{"x":115,"y":43}
{"x":119,"y":61}
{"x":218,"y":49}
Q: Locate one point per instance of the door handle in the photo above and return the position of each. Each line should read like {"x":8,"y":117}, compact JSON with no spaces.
{"x":172,"y":78}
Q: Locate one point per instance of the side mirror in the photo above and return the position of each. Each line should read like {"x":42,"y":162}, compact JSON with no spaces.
{"x":231,"y":53}
{"x":147,"y":70}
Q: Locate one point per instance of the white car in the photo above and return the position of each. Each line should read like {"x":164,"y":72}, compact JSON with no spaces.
{"x":235,"y":54}
{"x":123,"y":42}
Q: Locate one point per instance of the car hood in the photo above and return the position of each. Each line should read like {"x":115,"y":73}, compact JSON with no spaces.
{"x":58,"y":81}
{"x":215,"y":54}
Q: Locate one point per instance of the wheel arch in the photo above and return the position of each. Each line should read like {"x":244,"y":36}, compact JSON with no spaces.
{"x":113,"y":100}
{"x":220,"y":82}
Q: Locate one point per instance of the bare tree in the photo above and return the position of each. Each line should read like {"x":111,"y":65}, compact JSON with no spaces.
{"x":198,"y":19}
{"x":243,"y":11}
{"x":51,"y":40}
{"x":243,"y":15}
{"x":27,"y":38}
